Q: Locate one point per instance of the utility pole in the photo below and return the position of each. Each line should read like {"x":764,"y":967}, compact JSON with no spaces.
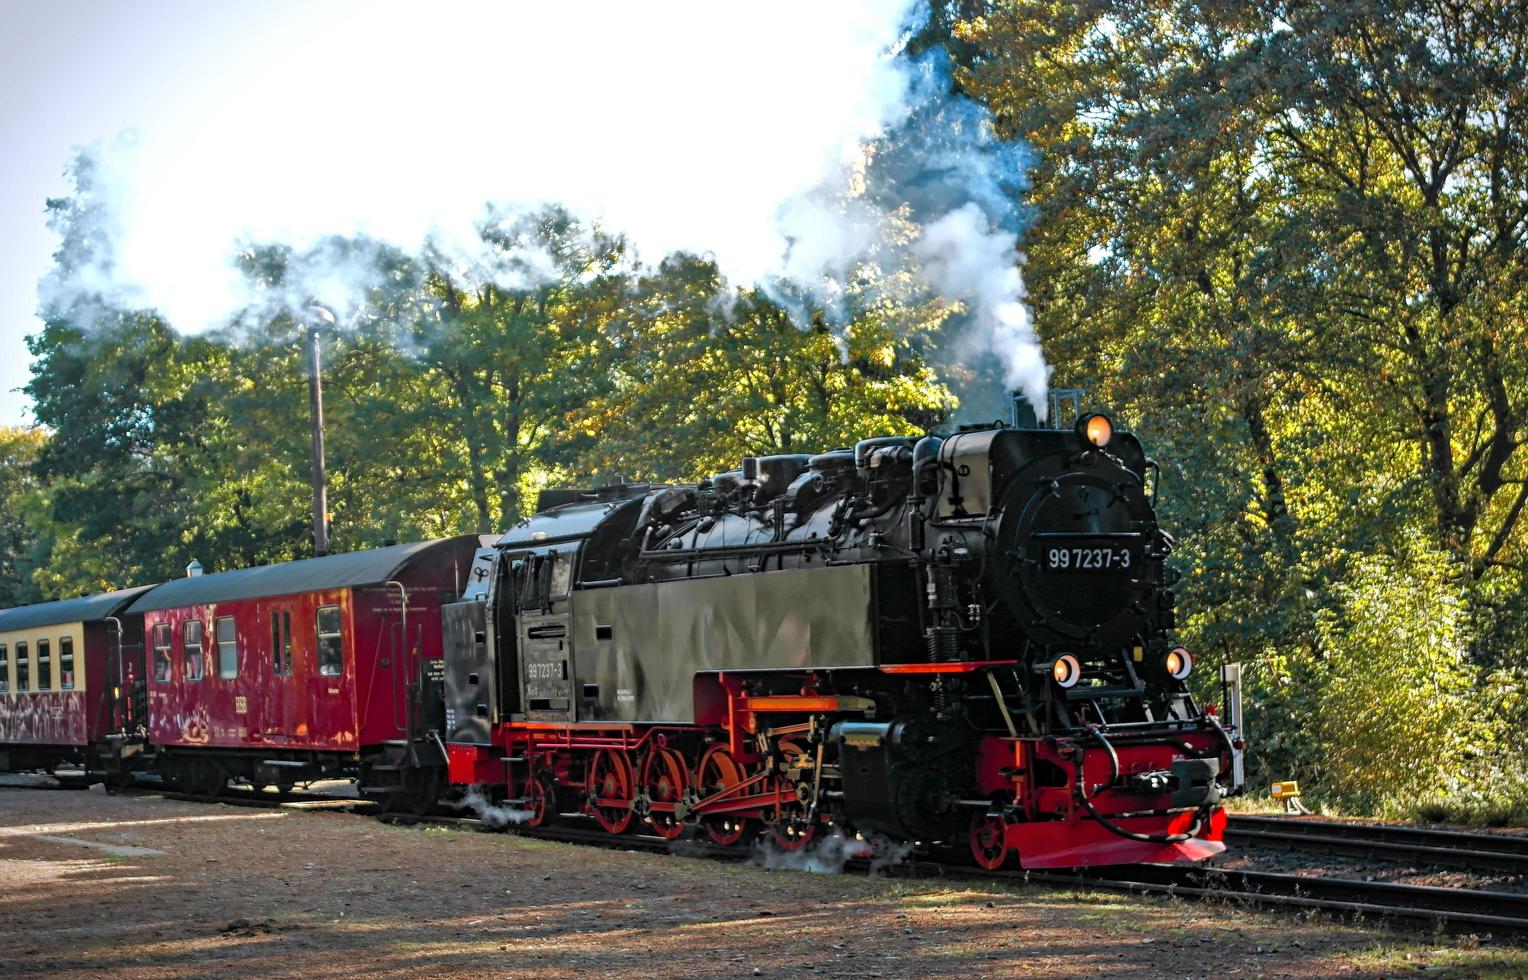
{"x":316,"y":413}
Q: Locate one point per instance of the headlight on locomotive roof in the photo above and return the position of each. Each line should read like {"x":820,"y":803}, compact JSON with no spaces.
{"x":1096,"y":428}
{"x":1066,"y":671}
{"x":1179,"y":663}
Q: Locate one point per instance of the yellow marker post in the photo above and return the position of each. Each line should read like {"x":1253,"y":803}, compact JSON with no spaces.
{"x":1288,"y":792}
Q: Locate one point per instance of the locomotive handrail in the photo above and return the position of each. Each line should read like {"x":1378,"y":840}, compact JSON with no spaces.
{"x":736,"y":550}
{"x":1088,"y":534}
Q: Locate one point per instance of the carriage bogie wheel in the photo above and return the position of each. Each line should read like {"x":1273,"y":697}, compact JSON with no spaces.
{"x":664,"y":778}
{"x":423,"y":793}
{"x":989,"y":841}
{"x":718,"y":770}
{"x":198,"y":777}
{"x":610,"y":778}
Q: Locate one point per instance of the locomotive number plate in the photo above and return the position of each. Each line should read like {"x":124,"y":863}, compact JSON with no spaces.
{"x":1072,"y":559}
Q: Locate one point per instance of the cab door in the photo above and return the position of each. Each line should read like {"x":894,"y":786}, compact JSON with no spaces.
{"x":543,"y":636}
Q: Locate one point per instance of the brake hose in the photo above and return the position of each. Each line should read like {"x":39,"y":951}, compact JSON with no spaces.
{"x":1082,"y":794}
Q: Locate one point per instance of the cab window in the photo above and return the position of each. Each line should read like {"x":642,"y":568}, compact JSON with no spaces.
{"x":23,"y":668}
{"x":562,"y":574}
{"x":5,"y":668}
{"x":228,"y":649}
{"x":191,"y":649}
{"x":330,"y":642}
{"x":44,"y":666}
{"x":66,"y":663}
{"x":161,"y":651}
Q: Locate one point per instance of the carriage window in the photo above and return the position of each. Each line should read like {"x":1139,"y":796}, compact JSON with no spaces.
{"x":66,"y":663}
{"x":191,"y":649}
{"x":44,"y":666}
{"x":228,"y":649}
{"x":5,"y":668}
{"x":330,"y":643}
{"x":161,"y":651}
{"x":23,"y":668}
{"x":281,"y":643}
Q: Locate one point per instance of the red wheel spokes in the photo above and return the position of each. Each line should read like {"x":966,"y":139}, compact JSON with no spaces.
{"x":719,"y":770}
{"x":989,"y":841}
{"x":664,"y":777}
{"x":538,"y":796}
{"x":610,"y":789}
{"x":793,"y":831}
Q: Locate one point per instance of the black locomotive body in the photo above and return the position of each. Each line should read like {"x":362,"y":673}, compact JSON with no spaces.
{"x":965,"y":636}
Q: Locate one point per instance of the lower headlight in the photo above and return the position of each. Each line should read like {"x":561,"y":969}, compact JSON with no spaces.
{"x":1178,"y":663}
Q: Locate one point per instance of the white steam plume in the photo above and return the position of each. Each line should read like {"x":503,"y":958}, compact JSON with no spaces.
{"x":495,"y":816}
{"x":829,"y":853}
{"x":738,"y":131}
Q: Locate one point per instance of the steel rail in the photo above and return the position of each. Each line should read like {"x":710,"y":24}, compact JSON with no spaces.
{"x":1420,"y":845}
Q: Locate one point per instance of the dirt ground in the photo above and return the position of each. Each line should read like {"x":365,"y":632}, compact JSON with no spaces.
{"x":133,"y":887}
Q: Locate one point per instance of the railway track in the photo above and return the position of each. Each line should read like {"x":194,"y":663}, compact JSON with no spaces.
{"x":1412,"y":845}
{"x":1449,"y":909}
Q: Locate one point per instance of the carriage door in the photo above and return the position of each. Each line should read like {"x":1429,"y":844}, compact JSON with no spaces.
{"x":129,"y":684}
{"x":544,"y":639}
{"x":280,"y":702}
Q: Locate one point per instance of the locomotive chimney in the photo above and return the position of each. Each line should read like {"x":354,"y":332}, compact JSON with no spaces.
{"x":1024,"y":416}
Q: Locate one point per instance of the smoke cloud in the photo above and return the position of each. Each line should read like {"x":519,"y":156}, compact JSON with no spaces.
{"x":829,"y":853}
{"x":495,"y":816}
{"x":794,"y":142}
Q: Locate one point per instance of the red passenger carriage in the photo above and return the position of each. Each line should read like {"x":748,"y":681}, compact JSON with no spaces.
{"x":293,"y":672}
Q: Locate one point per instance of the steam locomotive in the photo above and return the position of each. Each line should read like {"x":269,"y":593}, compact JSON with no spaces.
{"x":958,"y":638}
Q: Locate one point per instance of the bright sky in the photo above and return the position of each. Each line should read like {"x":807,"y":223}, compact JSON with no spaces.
{"x":684,"y":124}
{"x":67,"y":79}
{"x":720,"y":128}
{"x":76,"y":71}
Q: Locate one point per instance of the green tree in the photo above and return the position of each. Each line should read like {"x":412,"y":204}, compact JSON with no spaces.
{"x":23,"y":545}
{"x":703,"y":376}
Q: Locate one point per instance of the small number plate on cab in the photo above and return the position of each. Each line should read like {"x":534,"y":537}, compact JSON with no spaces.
{"x":1086,"y":558}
